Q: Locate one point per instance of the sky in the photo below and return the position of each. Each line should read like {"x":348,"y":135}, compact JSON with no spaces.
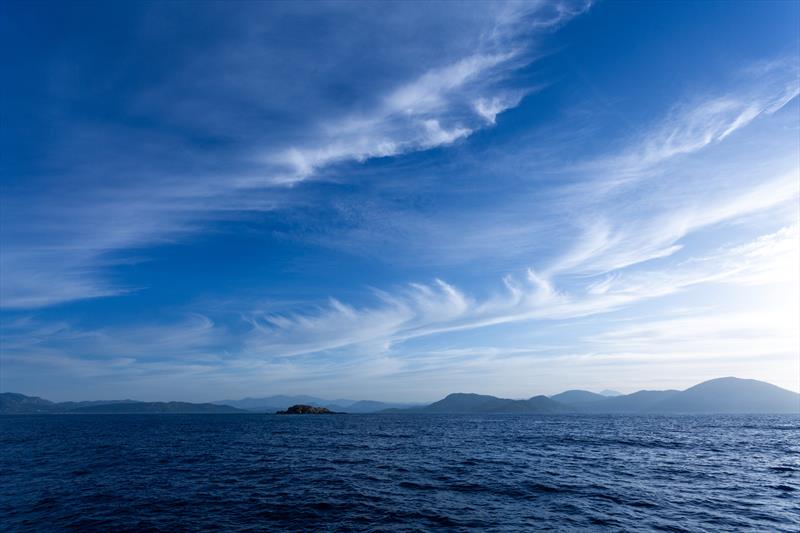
{"x":397,"y":200}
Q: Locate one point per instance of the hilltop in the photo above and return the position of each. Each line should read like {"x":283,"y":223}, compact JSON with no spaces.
{"x":14,"y":403}
{"x":721,"y":395}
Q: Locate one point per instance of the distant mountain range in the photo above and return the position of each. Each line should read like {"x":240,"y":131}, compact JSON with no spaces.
{"x":480,"y":403}
{"x":12,"y":403}
{"x":722,"y":395}
{"x":272,"y":404}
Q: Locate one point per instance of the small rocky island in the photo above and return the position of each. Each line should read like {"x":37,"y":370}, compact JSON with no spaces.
{"x":307,"y":410}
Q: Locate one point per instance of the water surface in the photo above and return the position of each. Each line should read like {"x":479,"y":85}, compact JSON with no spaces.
{"x":399,"y":473}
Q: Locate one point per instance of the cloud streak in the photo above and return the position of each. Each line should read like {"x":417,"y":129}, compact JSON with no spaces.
{"x":424,"y":310}
{"x":692,"y":126}
{"x":138,"y":188}
{"x":443,"y":105}
{"x":352,"y":340}
{"x":606,"y":246}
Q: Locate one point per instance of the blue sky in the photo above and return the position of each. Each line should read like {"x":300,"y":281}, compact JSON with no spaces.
{"x":397,"y":200}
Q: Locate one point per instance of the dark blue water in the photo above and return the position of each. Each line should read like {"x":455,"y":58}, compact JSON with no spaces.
{"x":399,"y":473}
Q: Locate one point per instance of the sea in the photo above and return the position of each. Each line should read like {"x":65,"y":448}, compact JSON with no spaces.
{"x":399,"y":472}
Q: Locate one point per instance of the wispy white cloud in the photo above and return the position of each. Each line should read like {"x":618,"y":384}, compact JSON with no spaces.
{"x":352,"y":342}
{"x":577,"y":218}
{"x":693,"y":125}
{"x":608,"y":245}
{"x":718,"y":334}
{"x":194,"y":337}
{"x":652,"y":216}
{"x":423,"y":310}
{"x":443,"y":105}
{"x":489,"y":107}
{"x":129,"y":192}
{"x":418,"y":310}
{"x":31,"y":282}
{"x":762,"y":343}
{"x":770,"y":258}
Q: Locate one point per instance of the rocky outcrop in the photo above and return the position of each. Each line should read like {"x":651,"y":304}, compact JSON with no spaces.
{"x":306,"y":410}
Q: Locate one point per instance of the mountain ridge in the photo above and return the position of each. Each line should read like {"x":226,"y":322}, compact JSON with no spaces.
{"x":271,"y":404}
{"x":719,"y":395}
{"x":461,"y":402}
{"x":16,"y":403}
{"x":731,"y":395}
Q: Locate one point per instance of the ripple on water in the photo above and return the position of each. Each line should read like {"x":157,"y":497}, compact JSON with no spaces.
{"x":399,"y":472}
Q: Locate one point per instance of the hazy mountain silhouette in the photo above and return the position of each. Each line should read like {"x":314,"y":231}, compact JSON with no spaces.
{"x":626,"y":403}
{"x":371,"y":406}
{"x":460,"y":402}
{"x":609,"y":392}
{"x":12,"y":402}
{"x":576,"y":397}
{"x":543,"y":404}
{"x":722,"y":395}
{"x":481,"y":403}
{"x":731,"y":395}
{"x":156,"y":407}
{"x":271,"y":404}
{"x":15,"y":403}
